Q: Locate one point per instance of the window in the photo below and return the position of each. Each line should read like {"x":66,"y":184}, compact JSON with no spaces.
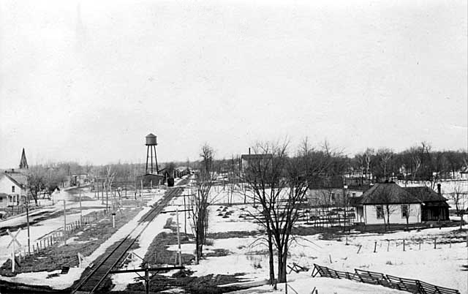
{"x":405,"y":211}
{"x":12,"y":189}
{"x":380,"y":211}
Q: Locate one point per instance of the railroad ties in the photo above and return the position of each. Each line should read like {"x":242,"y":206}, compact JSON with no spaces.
{"x":95,"y":278}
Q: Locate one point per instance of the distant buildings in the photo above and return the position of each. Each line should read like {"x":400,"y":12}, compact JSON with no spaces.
{"x":248,"y":160}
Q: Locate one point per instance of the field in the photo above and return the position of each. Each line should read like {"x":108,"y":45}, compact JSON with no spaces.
{"x":236,"y":255}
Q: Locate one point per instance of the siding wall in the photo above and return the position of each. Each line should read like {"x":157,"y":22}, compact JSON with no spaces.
{"x":5,"y":187}
{"x":396,"y":217}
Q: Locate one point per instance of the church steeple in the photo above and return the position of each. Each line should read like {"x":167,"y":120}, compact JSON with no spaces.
{"x":23,"y":163}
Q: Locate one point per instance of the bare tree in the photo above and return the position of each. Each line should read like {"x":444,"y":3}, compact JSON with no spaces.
{"x":263,"y":176}
{"x":385,"y":156}
{"x":109,"y":179}
{"x":385,"y":210}
{"x":458,"y":194}
{"x":202,"y":200}
{"x":36,"y":181}
{"x":280,"y":186}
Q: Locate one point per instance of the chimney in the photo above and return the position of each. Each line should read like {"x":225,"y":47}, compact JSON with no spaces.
{"x":249,"y":150}
{"x":438,"y":189}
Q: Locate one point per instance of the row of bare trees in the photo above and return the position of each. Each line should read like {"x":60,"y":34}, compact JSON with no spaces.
{"x":416,"y":163}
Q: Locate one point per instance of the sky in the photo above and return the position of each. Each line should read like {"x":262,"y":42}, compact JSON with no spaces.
{"x":86,"y":81}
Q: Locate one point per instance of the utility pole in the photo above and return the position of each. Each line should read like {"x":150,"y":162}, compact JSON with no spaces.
{"x":107,"y":198}
{"x":345,"y":198}
{"x":147,"y":278}
{"x":27,"y":221}
{"x":185,"y":215}
{"x":81,"y":210}
{"x":178,"y":237}
{"x":64,"y":222}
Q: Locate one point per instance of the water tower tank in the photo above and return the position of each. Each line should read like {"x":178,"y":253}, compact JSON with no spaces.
{"x":151,"y":140}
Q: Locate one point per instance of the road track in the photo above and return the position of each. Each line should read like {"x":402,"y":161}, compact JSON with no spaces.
{"x":94,"y":278}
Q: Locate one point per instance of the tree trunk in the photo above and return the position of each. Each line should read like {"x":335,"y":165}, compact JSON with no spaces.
{"x":271,"y":261}
{"x":282,"y":260}
{"x":388,"y":216}
{"x":197,"y":257}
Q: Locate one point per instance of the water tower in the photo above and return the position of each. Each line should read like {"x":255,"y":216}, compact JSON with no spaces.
{"x":151,"y":158}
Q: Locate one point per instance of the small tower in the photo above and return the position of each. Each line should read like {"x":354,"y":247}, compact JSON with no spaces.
{"x":151,"y":158}
{"x":24,"y":162}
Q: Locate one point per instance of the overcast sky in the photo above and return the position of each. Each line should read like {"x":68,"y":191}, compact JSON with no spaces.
{"x":88,"y":80}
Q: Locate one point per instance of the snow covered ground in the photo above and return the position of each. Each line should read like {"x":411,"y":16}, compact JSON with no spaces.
{"x":441,"y":266}
{"x":49,"y":225}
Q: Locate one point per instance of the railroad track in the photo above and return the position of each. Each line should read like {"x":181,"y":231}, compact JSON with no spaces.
{"x":95,"y":277}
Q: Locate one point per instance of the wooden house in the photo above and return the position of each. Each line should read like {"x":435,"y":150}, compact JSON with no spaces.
{"x":13,"y":184}
{"x":388,"y":202}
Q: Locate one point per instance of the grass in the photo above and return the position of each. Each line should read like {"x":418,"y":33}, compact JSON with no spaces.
{"x":55,"y":257}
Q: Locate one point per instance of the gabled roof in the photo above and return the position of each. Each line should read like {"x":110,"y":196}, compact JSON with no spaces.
{"x":425,"y":194}
{"x":388,"y":193}
{"x":17,"y":178}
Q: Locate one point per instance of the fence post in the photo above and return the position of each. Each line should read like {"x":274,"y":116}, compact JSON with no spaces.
{"x":360,"y":246}
{"x":404,"y":244}
{"x":435,"y":243}
{"x":375,"y":246}
{"x":388,"y":245}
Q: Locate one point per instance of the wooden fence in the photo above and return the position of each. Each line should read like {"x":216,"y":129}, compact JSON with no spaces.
{"x":58,"y":235}
{"x":375,"y":278}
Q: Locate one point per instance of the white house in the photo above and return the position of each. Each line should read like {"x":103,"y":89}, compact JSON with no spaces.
{"x":13,"y":184}
{"x":388,"y":203}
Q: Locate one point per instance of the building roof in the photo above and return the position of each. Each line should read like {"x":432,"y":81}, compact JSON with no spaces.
{"x":255,"y":156}
{"x":355,"y":201}
{"x":319,"y":183}
{"x":388,"y":193}
{"x":17,"y":178}
{"x":425,"y":194}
